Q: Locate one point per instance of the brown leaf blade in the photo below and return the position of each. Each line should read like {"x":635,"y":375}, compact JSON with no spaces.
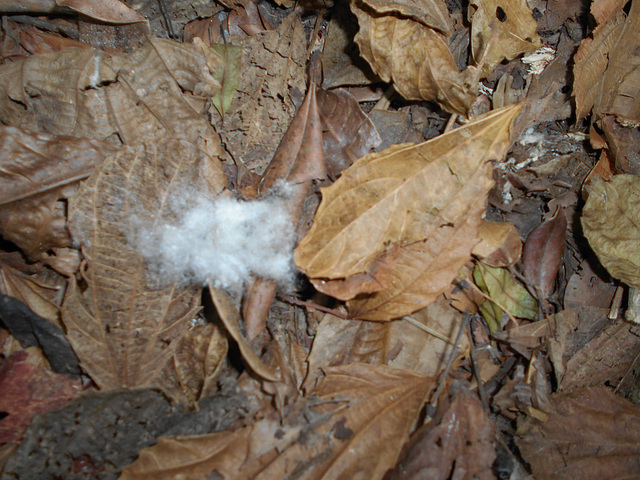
{"x":432,"y":13}
{"x":591,"y":433}
{"x":123,"y":330}
{"x":416,"y":58}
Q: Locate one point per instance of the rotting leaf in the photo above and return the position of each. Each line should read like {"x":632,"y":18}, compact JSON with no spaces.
{"x":420,"y":197}
{"x":500,"y":244}
{"x":590,"y":434}
{"x":610,"y":221}
{"x":107,"y":11}
{"x":542,"y":255}
{"x":356,"y":428}
{"x":606,"y":73}
{"x":273,"y":63}
{"x":123,"y":327}
{"x":501,"y":29}
{"x":416,"y":58}
{"x":498,"y":284}
{"x":458,"y":443}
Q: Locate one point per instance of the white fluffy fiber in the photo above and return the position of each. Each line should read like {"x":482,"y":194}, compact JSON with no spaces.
{"x":223,"y":241}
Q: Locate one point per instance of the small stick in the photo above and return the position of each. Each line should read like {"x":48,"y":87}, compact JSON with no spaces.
{"x":476,"y":372}
{"x":616,"y":303}
{"x":315,"y":306}
{"x":428,"y":330}
{"x":451,"y":122}
{"x":454,"y":352}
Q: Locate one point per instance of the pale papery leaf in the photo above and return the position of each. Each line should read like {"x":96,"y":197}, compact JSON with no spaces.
{"x":432,"y":13}
{"x":357,"y":423}
{"x":123,"y":325}
{"x":500,"y":244}
{"x":610,"y":221}
{"x":416,"y":58}
{"x":107,"y":11}
{"x":501,"y":30}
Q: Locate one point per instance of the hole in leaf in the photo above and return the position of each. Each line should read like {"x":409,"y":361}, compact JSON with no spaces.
{"x":501,"y":14}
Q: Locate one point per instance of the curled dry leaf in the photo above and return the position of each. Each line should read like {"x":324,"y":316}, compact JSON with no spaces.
{"x":427,"y":199}
{"x":138,"y":96}
{"x":606,"y":73}
{"x":416,"y":58}
{"x":361,"y":419}
{"x":432,"y":13}
{"x":500,"y":244}
{"x":272,"y":63}
{"x":591,"y":434}
{"x":107,"y":11}
{"x":542,"y":255}
{"x":501,"y":29}
{"x":610,"y":221}
{"x":123,"y":329}
{"x":458,"y":443}
{"x":348,"y":132}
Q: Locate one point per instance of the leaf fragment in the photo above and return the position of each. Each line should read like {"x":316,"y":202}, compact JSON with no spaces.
{"x":610,"y":221}
{"x":227,"y":74}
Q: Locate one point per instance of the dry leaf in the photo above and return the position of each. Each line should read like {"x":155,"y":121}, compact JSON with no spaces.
{"x":124,"y":330}
{"x":138,"y":96}
{"x":606,"y":73}
{"x":361,"y":419}
{"x":228,"y":75}
{"x":543,"y":250}
{"x":421,"y":197}
{"x":432,"y":13}
{"x":500,"y":244}
{"x":591,"y":434}
{"x":348,"y":132}
{"x":459,"y":443}
{"x":416,"y":58}
{"x":273,"y":63}
{"x":610,"y":221}
{"x":501,"y":29}
{"x":107,"y":11}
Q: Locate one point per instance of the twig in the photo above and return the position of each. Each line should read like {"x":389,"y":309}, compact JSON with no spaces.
{"x":452,"y":356}
{"x":476,"y":372}
{"x":614,"y":311}
{"x":429,"y":330}
{"x":167,"y":19}
{"x":385,"y":100}
{"x":315,"y":306}
{"x":451,"y":122}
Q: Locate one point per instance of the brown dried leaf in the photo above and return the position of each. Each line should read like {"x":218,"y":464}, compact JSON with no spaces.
{"x":421,"y":343}
{"x":501,"y":29}
{"x":543,"y":250}
{"x":273,"y":63}
{"x":606,"y":73}
{"x":348,"y":132}
{"x":432,"y":13}
{"x":420,"y":197}
{"x":139,"y":96}
{"x":591,"y":434}
{"x":500,"y":244}
{"x":108,"y":11}
{"x":459,"y":443}
{"x":361,"y":419}
{"x":416,"y":58}
{"x":123,"y":330}
{"x":610,"y":221}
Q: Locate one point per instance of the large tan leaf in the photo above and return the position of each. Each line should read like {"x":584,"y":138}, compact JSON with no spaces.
{"x":360,"y":421}
{"x":425,"y":198}
{"x":108,"y":11}
{"x":138,"y":96}
{"x":273,"y":64}
{"x":433,"y":13}
{"x":606,"y":73}
{"x":501,"y":29}
{"x":123,"y":330}
{"x":611,"y":223}
{"x":416,"y":58}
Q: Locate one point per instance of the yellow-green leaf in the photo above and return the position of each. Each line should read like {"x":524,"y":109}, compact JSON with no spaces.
{"x":228,"y":74}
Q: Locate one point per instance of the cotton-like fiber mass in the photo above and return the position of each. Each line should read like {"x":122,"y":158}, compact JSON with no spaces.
{"x":222,"y":241}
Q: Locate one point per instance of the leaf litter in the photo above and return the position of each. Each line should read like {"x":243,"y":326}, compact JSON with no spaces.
{"x":158,"y":175}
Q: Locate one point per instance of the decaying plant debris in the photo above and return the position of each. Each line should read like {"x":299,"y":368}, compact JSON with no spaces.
{"x":449,"y":190}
